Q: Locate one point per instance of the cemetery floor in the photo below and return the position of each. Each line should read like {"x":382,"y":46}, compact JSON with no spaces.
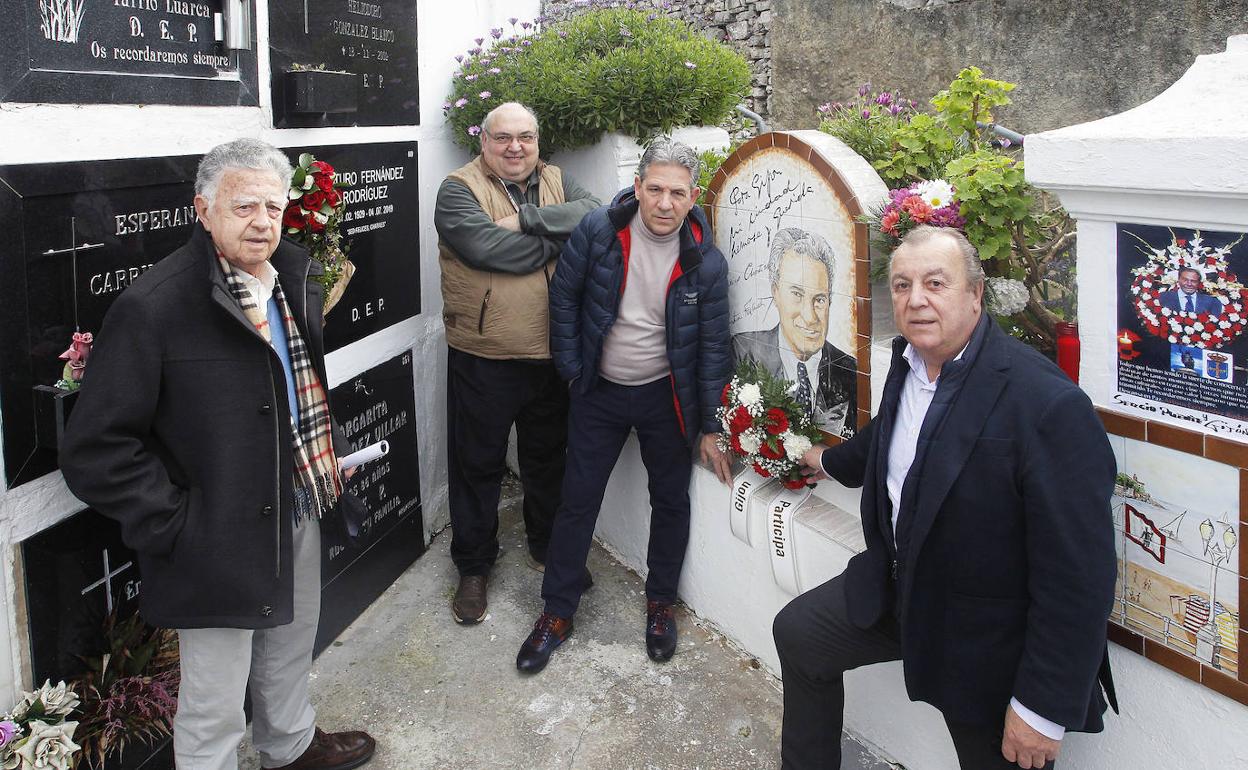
{"x":438,"y":695}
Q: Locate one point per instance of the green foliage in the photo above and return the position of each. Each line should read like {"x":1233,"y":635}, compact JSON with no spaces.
{"x":1018,"y":231}
{"x":604,"y":70}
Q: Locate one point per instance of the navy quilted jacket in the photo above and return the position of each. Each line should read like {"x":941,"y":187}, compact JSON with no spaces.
{"x":585,"y":297}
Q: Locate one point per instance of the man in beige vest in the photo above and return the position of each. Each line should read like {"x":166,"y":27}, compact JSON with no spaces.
{"x":502,"y":220}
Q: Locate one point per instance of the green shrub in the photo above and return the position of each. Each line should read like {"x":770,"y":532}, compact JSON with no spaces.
{"x":1021,"y":234}
{"x":604,"y":70}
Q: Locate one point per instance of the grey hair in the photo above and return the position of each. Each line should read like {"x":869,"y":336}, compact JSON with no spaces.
{"x":970,"y":257}
{"x":664,"y":149}
{"x":243,"y":153}
{"x":489,"y":116}
{"x":805,"y":244}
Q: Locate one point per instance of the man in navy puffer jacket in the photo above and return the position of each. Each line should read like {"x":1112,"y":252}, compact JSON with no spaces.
{"x":639,"y":329}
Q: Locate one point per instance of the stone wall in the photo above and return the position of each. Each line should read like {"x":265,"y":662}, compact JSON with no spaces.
{"x":1073,"y":60}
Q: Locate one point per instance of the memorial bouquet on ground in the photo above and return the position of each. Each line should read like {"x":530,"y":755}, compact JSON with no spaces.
{"x":36,"y":733}
{"x":313,"y":217}
{"x":764,"y":425}
{"x":1159,"y":275}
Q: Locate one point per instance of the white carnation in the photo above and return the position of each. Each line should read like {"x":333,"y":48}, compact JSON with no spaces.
{"x":750,"y":395}
{"x":795,"y":445}
{"x":750,"y":440}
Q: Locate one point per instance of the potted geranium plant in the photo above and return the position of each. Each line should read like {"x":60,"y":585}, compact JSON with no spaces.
{"x":1023,"y":236}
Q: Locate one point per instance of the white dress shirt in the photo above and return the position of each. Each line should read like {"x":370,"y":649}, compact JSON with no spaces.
{"x":261,"y":286}
{"x":916,"y":398}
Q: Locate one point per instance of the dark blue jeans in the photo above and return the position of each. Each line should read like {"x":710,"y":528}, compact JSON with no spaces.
{"x":598,"y":424}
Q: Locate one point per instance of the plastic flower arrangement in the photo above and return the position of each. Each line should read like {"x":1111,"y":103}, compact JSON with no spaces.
{"x":313,"y":218}
{"x":75,"y":358}
{"x":35,"y":734}
{"x":764,"y":425}
{"x":925,"y":203}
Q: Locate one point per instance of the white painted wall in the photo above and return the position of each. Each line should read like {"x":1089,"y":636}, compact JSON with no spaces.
{"x":42,"y":133}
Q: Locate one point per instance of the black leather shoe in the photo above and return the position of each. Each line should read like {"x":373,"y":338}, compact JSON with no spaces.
{"x":660,"y":631}
{"x":548,"y":633}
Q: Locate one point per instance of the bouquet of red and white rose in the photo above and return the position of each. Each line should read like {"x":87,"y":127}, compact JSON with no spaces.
{"x":313,"y":217}
{"x":765,"y":425}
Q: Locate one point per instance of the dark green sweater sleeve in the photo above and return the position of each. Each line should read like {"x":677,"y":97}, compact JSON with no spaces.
{"x":483,"y":245}
{"x":558,"y":221}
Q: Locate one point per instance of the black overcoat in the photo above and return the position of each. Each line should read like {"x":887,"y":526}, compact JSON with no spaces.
{"x":182,"y":433}
{"x":1006,"y":578}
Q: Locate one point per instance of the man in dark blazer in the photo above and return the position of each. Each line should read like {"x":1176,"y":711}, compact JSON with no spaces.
{"x":203,"y":427}
{"x":1186,"y":296}
{"x":989,"y":569}
{"x":800,"y":266}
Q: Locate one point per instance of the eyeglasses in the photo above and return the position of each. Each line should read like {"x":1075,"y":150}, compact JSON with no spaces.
{"x":503,"y":140}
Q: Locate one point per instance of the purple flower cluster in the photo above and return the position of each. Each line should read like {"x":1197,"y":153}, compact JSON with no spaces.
{"x":868,"y":105}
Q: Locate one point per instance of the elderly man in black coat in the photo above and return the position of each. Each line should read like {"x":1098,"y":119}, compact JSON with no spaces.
{"x":204,"y":429}
{"x":990,"y":566}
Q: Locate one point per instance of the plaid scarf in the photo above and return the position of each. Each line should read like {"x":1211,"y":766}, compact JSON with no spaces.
{"x":317,"y":482}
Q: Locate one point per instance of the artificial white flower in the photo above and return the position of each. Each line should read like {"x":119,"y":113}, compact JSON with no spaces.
{"x":937,"y":193}
{"x":750,"y":395}
{"x":49,"y":746}
{"x":795,"y":445}
{"x":750,"y":440}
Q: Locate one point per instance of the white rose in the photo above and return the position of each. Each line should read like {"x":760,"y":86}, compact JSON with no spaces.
{"x":795,"y":445}
{"x":49,"y":746}
{"x":750,"y":395}
{"x":750,"y":440}
{"x":1165,"y":311}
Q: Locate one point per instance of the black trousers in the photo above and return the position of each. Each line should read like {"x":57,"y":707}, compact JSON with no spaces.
{"x":484,"y":397}
{"x":598,"y":424}
{"x":817,"y":644}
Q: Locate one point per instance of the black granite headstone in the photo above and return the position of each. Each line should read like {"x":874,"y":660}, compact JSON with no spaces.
{"x":359,"y":54}
{"x":120,"y":52}
{"x":375,"y":405}
{"x":381,"y":225}
{"x":77,"y":572}
{"x":72,"y":237}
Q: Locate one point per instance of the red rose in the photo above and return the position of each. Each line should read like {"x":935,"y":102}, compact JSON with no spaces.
{"x":313,"y":201}
{"x":797,"y":483}
{"x":734,"y":442}
{"x":723,"y":397}
{"x":766,"y":450}
{"x":324,"y":181}
{"x":777,"y":422}
{"x":321,"y":167}
{"x":294,"y":216}
{"x":333,"y":198}
{"x":740,"y":420}
{"x":315,"y":225}
{"x":761,"y":471}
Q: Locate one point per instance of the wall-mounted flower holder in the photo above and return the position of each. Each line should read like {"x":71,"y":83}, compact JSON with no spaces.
{"x":52,"y":408}
{"x":322,"y":91}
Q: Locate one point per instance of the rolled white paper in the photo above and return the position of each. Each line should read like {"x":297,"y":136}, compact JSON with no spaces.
{"x":367,"y":454}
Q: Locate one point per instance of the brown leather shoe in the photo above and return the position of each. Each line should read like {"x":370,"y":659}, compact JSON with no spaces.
{"x":335,"y":751}
{"x":470,"y":602}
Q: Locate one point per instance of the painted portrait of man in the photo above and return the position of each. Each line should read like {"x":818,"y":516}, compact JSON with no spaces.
{"x":801,"y":266}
